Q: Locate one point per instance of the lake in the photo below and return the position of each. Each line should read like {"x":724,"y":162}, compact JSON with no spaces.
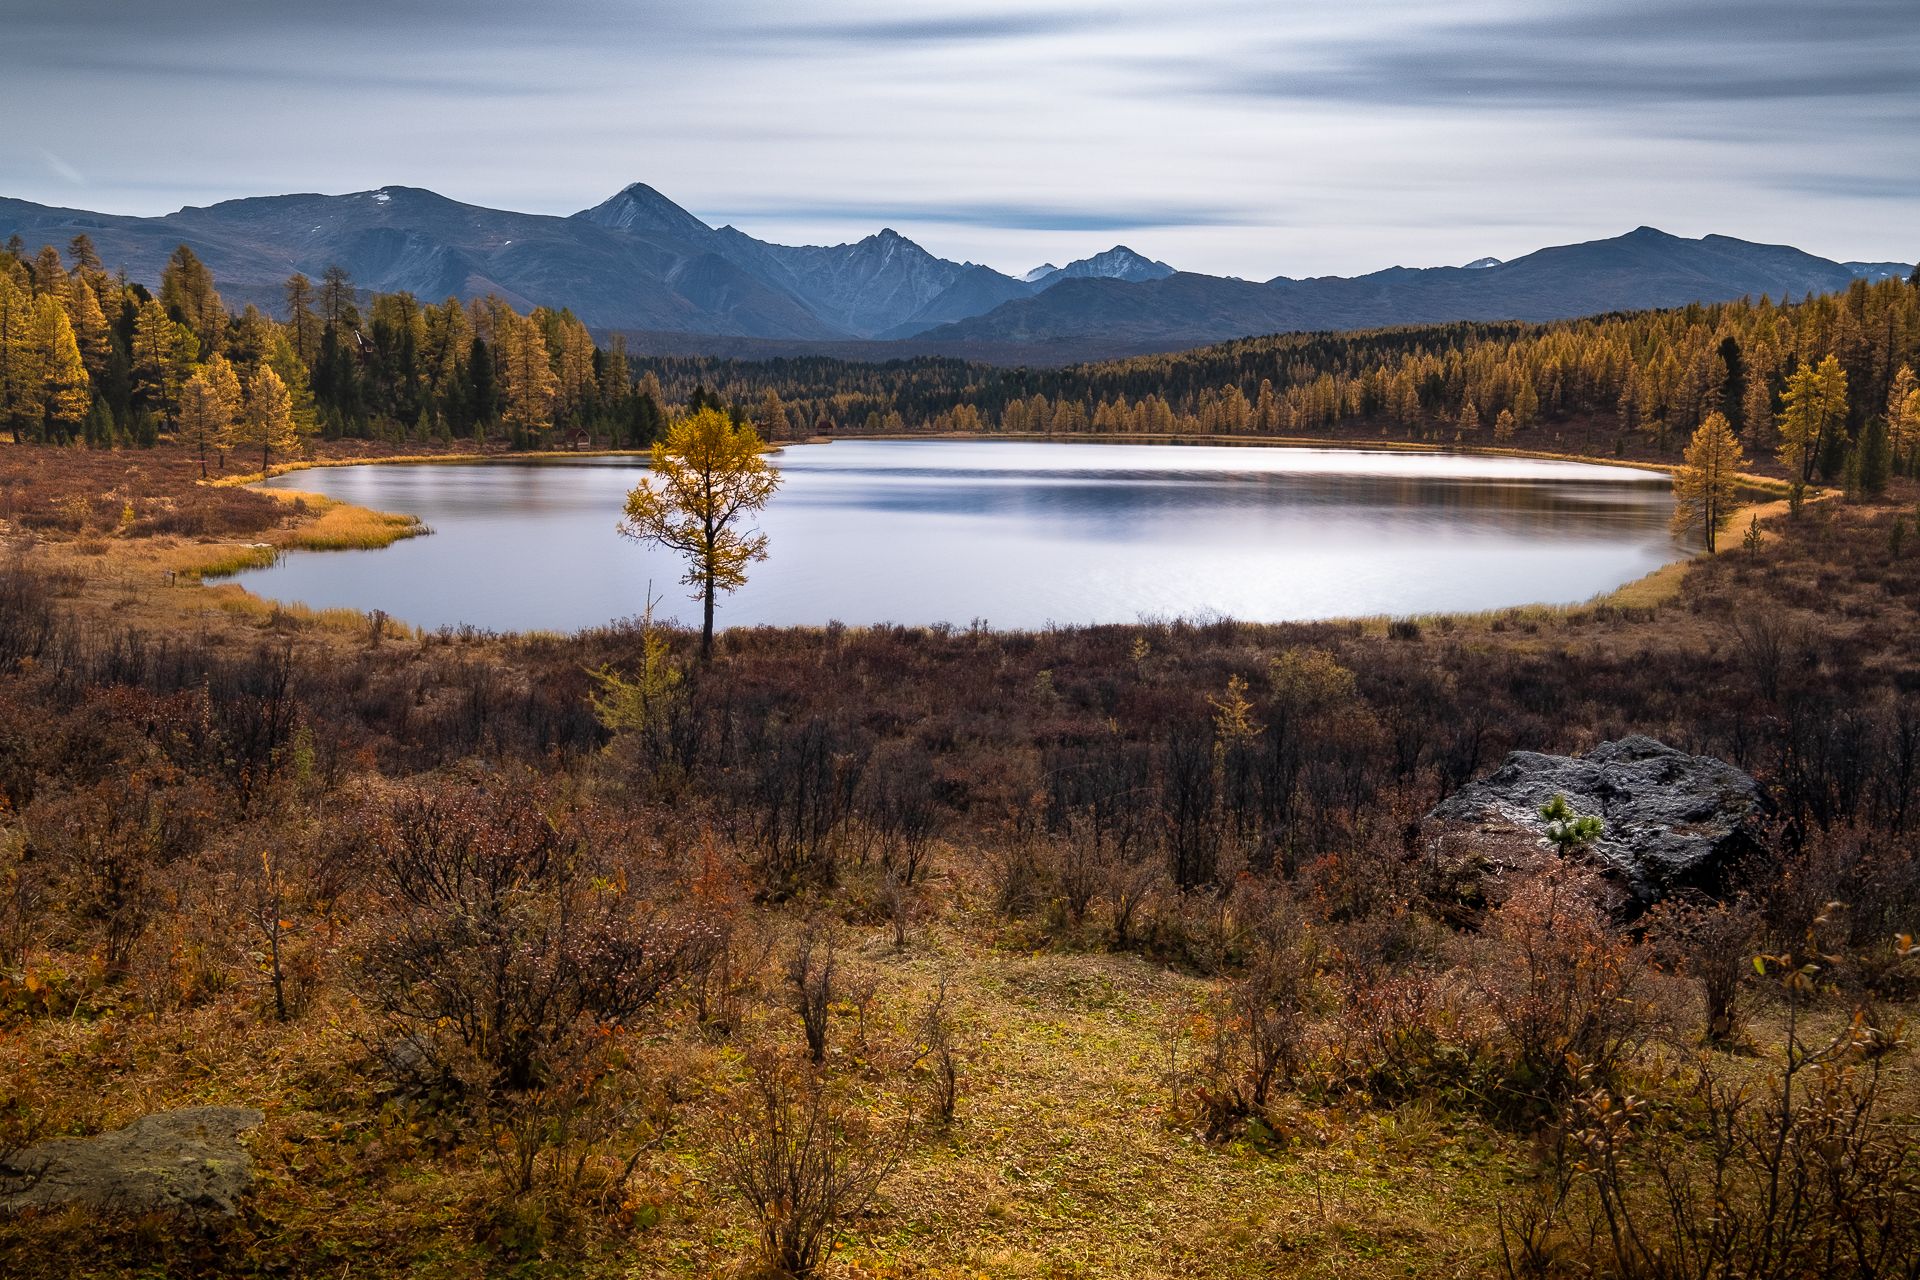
{"x":1017,"y":534}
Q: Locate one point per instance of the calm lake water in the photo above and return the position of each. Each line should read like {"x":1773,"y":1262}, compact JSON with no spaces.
{"x":1019,"y":534}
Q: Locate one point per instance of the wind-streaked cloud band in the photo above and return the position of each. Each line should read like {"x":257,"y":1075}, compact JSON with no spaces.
{"x":1239,"y":136}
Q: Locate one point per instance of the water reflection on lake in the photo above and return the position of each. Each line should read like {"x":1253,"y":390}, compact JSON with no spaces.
{"x":1021,"y":534}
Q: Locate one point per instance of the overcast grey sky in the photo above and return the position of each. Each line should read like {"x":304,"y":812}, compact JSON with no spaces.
{"x":1291,"y":136}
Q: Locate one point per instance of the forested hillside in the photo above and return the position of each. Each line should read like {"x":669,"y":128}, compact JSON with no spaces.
{"x":90,"y":356}
{"x":1650,"y":376}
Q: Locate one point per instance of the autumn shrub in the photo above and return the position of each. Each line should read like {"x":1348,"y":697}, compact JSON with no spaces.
{"x":730,"y":983}
{"x":1811,"y":1168}
{"x":1080,"y":866}
{"x":1713,"y":942}
{"x":1859,"y":887}
{"x":901,"y":904}
{"x":1406,"y":1035}
{"x":110,"y":844}
{"x":1251,"y":1037}
{"x":27,"y":616}
{"x":1217,"y":931}
{"x":936,"y":1053}
{"x":812,"y":970}
{"x":1566,"y":994}
{"x":22,"y":895}
{"x":285,"y":893}
{"x":1373,"y":896}
{"x":513,"y":952}
{"x":510,"y":931}
{"x":802,"y":782}
{"x":727,"y":987}
{"x":804,"y":1157}
{"x":1128,"y":887}
{"x":895,"y":806}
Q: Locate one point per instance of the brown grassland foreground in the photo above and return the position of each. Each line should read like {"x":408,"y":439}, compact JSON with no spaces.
{"x":1107,"y":952}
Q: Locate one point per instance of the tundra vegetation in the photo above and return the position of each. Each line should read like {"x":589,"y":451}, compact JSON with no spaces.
{"x":945,"y":952}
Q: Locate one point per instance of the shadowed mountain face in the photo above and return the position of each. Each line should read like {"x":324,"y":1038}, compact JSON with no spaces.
{"x":640,"y":263}
{"x":1644,"y":268}
{"x":879,"y":286}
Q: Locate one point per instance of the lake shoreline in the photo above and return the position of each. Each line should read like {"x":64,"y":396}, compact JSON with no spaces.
{"x":1241,"y":593}
{"x":1752,"y":481}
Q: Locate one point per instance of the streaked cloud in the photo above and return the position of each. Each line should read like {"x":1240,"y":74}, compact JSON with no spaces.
{"x":1239,"y":136}
{"x":1006,"y":217}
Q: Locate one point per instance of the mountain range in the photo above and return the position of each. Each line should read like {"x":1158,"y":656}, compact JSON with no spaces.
{"x":640,"y":264}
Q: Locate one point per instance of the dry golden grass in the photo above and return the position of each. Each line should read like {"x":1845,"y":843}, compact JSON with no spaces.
{"x":340,"y":526}
{"x":1063,"y":1161}
{"x":1066,"y":1159}
{"x":237,"y":602}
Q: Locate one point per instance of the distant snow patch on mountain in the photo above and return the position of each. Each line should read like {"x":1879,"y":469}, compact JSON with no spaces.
{"x":1873,"y":272}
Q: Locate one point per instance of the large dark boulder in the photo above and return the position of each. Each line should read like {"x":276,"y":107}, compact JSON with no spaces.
{"x":1673,"y":821}
{"x":187,"y":1161}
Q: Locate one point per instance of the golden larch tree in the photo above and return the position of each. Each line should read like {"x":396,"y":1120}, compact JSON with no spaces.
{"x":65,"y":392}
{"x":186,"y":289}
{"x":771,"y":416}
{"x":209,"y":402}
{"x":266,"y":418}
{"x":1903,"y":412}
{"x":20,"y":372}
{"x":1756,"y":403}
{"x":570,"y":356}
{"x":707,"y":474}
{"x":89,"y":327}
{"x":526,"y":374}
{"x":300,"y":318}
{"x":1707,"y":484}
{"x":156,"y":358}
{"x":1814,"y":411}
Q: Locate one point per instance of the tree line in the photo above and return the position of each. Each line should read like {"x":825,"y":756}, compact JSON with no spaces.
{"x":90,"y":356}
{"x":1826,"y":384}
{"x":1655,"y":375}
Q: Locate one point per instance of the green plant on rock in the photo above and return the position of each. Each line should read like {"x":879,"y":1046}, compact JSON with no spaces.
{"x":1569,"y":831}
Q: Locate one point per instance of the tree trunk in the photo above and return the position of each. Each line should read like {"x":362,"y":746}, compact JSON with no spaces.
{"x":706,"y":631}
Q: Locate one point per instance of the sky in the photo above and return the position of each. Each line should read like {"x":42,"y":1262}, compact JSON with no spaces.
{"x":1239,"y":137}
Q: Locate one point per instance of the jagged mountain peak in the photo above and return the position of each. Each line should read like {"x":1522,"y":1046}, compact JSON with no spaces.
{"x":1117,"y":263}
{"x":887,"y":240}
{"x":639,"y":208}
{"x":1039,"y":273}
{"x":1481,"y":264}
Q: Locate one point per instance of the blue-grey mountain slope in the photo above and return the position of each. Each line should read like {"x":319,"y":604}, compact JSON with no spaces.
{"x":639,"y":263}
{"x":1642,"y":269}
